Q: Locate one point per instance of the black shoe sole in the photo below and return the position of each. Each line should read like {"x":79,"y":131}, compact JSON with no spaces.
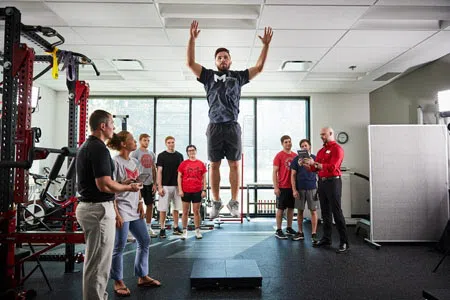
{"x":281,"y":237}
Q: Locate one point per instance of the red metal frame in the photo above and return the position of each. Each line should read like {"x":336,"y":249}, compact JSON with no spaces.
{"x":81,"y":99}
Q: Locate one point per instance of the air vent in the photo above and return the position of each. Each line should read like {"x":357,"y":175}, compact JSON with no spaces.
{"x":127,"y":64}
{"x":296,"y":65}
{"x":387,"y":76}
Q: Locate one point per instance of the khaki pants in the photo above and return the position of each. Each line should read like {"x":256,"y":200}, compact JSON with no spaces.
{"x":98,"y":223}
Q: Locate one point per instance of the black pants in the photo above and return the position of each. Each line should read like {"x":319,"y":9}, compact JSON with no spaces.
{"x":330,"y":192}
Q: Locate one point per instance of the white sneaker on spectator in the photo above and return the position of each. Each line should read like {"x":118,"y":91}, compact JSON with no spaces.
{"x":130,"y":238}
{"x":151,"y":233}
{"x":184,"y":235}
{"x":198,"y":234}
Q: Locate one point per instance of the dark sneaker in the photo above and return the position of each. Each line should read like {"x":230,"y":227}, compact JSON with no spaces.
{"x":314,"y":238}
{"x":290,"y":231}
{"x":279,"y":234}
{"x":342,"y":248}
{"x":177,"y":231}
{"x":162,"y":234}
{"x":298,"y":236}
{"x":321,"y":243}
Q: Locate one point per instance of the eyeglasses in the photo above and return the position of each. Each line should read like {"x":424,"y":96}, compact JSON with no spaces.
{"x":190,"y":150}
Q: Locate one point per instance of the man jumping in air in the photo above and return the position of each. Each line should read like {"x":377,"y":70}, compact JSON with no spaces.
{"x":223,"y":92}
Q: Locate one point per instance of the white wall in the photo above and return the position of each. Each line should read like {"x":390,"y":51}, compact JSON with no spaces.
{"x":44,"y":118}
{"x":349,"y":113}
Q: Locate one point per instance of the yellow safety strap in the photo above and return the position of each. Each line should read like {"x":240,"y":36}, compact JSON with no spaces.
{"x":55,"y":63}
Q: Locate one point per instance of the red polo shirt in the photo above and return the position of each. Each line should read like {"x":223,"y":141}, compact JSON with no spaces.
{"x":330,"y":156}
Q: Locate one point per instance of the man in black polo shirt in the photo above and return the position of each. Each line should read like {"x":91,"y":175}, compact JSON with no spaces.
{"x":223,"y":92}
{"x":95,"y":212}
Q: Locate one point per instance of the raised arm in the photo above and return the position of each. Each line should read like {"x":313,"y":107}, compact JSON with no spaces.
{"x":195,"y":67}
{"x":253,"y":71}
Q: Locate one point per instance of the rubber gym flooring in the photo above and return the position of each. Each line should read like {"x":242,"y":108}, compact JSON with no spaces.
{"x":290,"y":269}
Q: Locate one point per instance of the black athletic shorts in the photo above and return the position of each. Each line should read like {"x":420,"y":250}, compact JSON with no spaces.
{"x":147,"y":194}
{"x":224,"y":140}
{"x":286,"y":199}
{"x":192,"y":197}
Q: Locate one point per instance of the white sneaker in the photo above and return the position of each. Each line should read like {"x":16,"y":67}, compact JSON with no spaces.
{"x":216,"y":207}
{"x":233,"y":207}
{"x":198,"y":234}
{"x":184,"y":235}
{"x":130,"y":238}
{"x":151,"y":233}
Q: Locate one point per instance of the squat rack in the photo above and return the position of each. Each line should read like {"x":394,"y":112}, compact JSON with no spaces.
{"x":17,"y":150}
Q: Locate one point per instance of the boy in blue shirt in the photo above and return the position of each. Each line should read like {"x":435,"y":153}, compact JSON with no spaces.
{"x":304,"y":189}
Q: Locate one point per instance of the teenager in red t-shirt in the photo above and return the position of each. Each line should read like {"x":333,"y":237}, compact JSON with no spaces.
{"x":281,"y":177}
{"x":192,"y":188}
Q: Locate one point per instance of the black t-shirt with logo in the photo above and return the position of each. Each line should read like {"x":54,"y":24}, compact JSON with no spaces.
{"x":93,"y":161}
{"x":169,"y":163}
{"x":223,"y":92}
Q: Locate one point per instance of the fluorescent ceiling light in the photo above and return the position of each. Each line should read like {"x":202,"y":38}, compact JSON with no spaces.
{"x":214,"y":11}
{"x":127,"y":64}
{"x":444,"y":103}
{"x":330,"y":76}
{"x":211,"y":23}
{"x":296,"y":65}
{"x":387,"y":24}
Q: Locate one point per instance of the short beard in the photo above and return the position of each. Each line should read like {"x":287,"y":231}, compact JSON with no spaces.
{"x":222,"y":70}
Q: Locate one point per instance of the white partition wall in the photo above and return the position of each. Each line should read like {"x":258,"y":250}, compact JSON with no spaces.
{"x":409,"y":199}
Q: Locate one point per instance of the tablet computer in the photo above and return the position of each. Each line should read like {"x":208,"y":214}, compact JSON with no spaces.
{"x":142,"y":177}
{"x":303,"y":154}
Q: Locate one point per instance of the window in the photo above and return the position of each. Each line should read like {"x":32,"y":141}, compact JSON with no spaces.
{"x":140,"y":112}
{"x":172,"y":119}
{"x":277,"y":117}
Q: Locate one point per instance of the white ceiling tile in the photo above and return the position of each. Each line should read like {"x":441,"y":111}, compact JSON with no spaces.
{"x":435,"y":47}
{"x":408,"y":13}
{"x":107,"y":14}
{"x":36,"y":13}
{"x":305,"y":38}
{"x":207,"y":53}
{"x":214,"y":37}
{"x":163,"y":65}
{"x":320,"y":2}
{"x":131,"y":52}
{"x":281,"y":54}
{"x":70,"y":36}
{"x":150,"y":75}
{"x":414,"y":2}
{"x":365,"y":59}
{"x":280,"y":76}
{"x":311,"y":17}
{"x":379,"y":38}
{"x":123,"y":36}
{"x":211,"y":1}
{"x":110,"y":1}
